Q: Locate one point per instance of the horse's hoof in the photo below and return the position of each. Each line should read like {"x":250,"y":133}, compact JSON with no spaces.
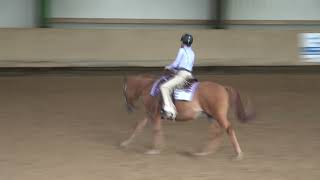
{"x":239,"y":157}
{"x":153,"y":152}
{"x":201,"y":153}
{"x":124,"y":144}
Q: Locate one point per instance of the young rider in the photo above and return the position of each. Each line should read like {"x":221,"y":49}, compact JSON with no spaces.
{"x":182,"y":69}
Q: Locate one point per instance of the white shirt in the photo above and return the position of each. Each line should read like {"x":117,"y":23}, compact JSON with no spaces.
{"x":184,"y":59}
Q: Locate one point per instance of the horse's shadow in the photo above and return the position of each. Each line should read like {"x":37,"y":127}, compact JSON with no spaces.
{"x":188,"y":154}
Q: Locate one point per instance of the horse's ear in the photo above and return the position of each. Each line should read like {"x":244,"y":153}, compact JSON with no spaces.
{"x":125,"y":79}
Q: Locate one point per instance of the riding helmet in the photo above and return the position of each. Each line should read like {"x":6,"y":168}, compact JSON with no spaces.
{"x":187,"y":39}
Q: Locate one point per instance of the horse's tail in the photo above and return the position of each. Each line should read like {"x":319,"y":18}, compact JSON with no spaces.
{"x":241,"y":113}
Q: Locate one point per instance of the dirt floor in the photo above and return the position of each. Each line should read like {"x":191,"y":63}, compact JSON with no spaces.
{"x":69,"y":126}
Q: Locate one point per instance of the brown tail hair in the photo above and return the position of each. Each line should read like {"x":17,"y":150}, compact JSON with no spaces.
{"x":241,"y":113}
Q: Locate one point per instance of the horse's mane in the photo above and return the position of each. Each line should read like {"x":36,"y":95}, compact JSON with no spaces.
{"x":148,"y":76}
{"x":142,"y":76}
{"x":142,"y":80}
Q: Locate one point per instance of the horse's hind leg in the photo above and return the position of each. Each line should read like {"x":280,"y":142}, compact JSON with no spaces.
{"x":215,"y":135}
{"x":138,"y":128}
{"x":225,"y":123}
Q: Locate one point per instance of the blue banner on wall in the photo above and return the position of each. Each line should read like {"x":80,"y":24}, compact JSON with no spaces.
{"x":310,"y":47}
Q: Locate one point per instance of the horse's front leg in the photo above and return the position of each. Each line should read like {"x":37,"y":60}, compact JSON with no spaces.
{"x":158,"y":140}
{"x":138,"y":128}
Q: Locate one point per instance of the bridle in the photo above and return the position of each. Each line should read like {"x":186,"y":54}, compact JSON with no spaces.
{"x":130,"y":108}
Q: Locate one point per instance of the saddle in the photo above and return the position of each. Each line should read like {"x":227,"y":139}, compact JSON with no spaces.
{"x":184,"y":93}
{"x":189,"y":83}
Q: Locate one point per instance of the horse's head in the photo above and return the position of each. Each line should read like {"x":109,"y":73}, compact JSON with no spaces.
{"x":129,"y":104}
{"x":133,"y":87}
{"x":129,"y":94}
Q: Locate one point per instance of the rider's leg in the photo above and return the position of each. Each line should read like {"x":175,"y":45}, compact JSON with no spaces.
{"x":167,"y":88}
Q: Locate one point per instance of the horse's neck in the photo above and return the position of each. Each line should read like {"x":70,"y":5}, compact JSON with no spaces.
{"x":143,"y":83}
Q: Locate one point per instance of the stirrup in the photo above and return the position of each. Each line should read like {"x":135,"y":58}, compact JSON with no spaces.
{"x":167,"y":115}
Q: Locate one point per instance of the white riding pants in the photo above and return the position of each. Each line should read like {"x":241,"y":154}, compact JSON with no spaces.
{"x":166,"y":88}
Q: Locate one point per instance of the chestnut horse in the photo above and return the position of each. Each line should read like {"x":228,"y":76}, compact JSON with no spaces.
{"x":211,"y":98}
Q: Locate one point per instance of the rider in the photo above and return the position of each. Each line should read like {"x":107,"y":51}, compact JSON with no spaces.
{"x":182,"y":69}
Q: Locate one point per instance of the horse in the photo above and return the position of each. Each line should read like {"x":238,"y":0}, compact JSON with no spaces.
{"x":212,"y":99}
